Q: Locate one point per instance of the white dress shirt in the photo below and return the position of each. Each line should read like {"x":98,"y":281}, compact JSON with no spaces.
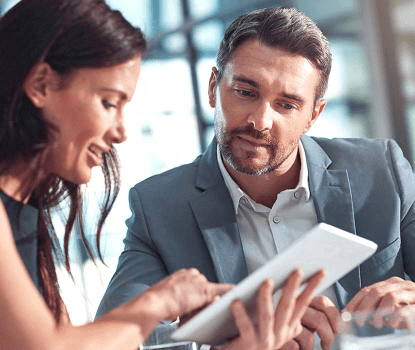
{"x":268,"y":231}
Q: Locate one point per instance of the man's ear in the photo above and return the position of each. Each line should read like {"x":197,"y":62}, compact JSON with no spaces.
{"x":212,"y":87}
{"x":39,"y":82}
{"x":318,"y":108}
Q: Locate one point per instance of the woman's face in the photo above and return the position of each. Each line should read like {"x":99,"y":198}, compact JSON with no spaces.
{"x":88,"y":111}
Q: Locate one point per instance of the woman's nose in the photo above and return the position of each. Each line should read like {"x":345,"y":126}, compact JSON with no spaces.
{"x":118,"y":131}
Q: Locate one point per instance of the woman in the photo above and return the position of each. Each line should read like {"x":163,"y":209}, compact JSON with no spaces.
{"x":67,"y":69}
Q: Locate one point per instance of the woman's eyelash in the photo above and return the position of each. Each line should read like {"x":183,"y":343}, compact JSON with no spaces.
{"x":107,"y":104}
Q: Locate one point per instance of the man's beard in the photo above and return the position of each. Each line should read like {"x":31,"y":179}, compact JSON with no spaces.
{"x":277,"y":154}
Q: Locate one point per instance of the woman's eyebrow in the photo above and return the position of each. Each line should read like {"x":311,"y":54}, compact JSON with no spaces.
{"x":122,"y":94}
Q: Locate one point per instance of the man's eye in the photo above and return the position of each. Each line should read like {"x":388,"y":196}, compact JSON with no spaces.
{"x":245,"y":92}
{"x":107,"y":105}
{"x":287,"y":106}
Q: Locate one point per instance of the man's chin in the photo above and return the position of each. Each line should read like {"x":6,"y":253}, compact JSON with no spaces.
{"x":252,"y":168}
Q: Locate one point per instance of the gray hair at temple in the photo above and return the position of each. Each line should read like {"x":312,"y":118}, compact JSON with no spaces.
{"x":284,"y":28}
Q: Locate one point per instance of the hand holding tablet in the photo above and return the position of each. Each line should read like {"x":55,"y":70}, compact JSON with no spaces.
{"x":324,"y":247}
{"x":274,"y":328}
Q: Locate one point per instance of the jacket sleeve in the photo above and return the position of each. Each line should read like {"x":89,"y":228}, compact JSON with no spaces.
{"x":139,"y":265}
{"x":405,"y":180}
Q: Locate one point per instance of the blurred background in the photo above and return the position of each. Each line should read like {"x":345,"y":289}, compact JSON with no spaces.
{"x":371,"y":94}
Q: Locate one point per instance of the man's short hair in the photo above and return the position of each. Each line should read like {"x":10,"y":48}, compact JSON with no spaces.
{"x":284,"y":28}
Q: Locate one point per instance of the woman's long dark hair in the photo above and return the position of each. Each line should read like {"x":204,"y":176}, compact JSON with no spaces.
{"x":67,"y":34}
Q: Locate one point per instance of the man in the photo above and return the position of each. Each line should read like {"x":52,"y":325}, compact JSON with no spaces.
{"x":262,"y":183}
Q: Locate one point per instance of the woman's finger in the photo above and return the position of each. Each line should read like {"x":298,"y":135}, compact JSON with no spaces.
{"x":265,"y":312}
{"x":305,"y":298}
{"x":287,"y":302}
{"x":246,"y":329}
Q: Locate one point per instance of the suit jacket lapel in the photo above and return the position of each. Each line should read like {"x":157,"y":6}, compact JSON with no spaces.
{"x":331,"y":193}
{"x":215,"y":215}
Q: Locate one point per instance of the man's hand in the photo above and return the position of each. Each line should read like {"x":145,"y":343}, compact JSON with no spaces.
{"x":274,"y":328}
{"x":321,"y":317}
{"x":384,"y":298}
{"x":403,"y":317}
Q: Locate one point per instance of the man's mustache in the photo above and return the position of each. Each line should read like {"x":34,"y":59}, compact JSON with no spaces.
{"x":249,"y":130}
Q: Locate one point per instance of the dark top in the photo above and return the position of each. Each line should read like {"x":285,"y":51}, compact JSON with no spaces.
{"x":23,"y":221}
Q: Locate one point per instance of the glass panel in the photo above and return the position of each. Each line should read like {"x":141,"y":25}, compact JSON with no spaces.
{"x":208,"y":36}
{"x":322,"y":10}
{"x":403,"y":16}
{"x":407,"y":64}
{"x":404,"y":25}
{"x":201,"y":9}
{"x":175,"y":44}
{"x":136,"y":12}
{"x":5,"y":5}
{"x":346,"y":94}
{"x":411,"y":123}
{"x":171,"y":15}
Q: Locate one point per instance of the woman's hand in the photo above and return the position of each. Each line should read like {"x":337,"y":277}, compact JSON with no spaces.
{"x":180,"y":293}
{"x":185,"y":291}
{"x":274,"y":329}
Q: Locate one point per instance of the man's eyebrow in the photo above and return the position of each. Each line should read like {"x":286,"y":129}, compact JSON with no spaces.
{"x":293,"y":97}
{"x":253,"y":83}
{"x":243,"y":79}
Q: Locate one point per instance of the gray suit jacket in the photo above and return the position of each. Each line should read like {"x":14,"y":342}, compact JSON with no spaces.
{"x":185,"y":218}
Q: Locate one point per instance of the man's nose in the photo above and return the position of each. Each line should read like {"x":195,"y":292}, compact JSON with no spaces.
{"x":262,"y":117}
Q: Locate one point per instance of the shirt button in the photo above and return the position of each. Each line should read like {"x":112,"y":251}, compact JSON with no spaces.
{"x":276,"y":219}
{"x":297,"y":194}
{"x":242,"y":201}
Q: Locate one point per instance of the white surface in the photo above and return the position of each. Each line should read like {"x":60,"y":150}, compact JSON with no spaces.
{"x":324,"y":247}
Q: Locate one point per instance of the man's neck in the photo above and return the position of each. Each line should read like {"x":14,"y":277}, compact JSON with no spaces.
{"x":264,"y":189}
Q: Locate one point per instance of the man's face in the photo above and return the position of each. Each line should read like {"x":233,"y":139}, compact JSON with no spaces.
{"x":263,"y":103}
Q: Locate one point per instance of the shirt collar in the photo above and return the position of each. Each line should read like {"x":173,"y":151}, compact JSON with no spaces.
{"x":237,"y":193}
{"x":303,"y":180}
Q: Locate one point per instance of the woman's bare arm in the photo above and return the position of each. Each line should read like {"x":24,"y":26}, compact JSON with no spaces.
{"x":27,"y":323}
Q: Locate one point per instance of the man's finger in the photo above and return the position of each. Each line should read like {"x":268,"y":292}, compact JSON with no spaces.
{"x":325,"y":305}
{"x":306,"y":339}
{"x":317,"y":321}
{"x":291,"y":345}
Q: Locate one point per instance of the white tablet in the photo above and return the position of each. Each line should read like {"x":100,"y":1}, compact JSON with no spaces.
{"x":324,"y":247}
